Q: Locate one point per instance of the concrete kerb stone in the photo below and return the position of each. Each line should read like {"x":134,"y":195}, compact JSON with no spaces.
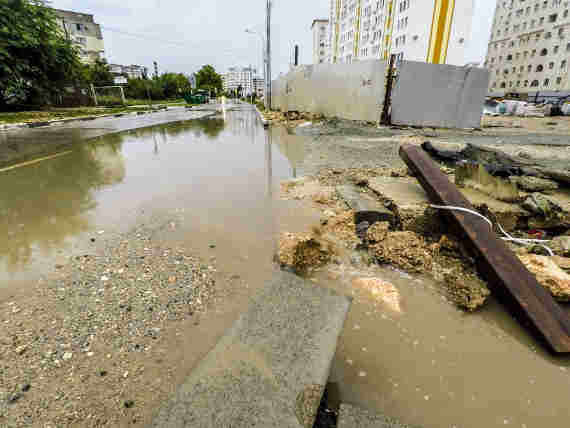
{"x":270,"y":369}
{"x":20,"y":125}
{"x":353,"y":417}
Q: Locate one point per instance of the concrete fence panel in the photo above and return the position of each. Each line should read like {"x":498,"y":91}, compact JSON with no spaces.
{"x":348,"y":91}
{"x":442,"y":96}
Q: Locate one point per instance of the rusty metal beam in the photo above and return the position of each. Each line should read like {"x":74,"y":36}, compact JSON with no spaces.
{"x":507,"y":277}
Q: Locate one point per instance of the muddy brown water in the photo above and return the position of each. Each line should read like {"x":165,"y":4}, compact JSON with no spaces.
{"x":428,"y":364}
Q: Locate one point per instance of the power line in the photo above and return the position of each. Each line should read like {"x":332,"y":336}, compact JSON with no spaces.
{"x":141,"y":36}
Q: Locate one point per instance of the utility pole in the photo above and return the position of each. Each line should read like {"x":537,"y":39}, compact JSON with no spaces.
{"x":268,"y":57}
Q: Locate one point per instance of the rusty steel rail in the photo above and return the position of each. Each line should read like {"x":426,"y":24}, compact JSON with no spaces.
{"x":507,"y":277}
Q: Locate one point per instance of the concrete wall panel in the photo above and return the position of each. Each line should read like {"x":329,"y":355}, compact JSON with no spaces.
{"x":443,"y":96}
{"x":348,"y":91}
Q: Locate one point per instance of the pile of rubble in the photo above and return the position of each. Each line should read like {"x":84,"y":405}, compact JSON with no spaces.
{"x":292,"y":118}
{"x":416,"y":240}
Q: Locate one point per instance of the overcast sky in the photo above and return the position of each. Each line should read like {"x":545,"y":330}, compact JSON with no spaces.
{"x":183,"y":35}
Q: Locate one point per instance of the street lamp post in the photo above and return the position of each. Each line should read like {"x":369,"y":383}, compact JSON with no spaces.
{"x":264,"y":60}
{"x":266,"y":42}
{"x":268,"y":50}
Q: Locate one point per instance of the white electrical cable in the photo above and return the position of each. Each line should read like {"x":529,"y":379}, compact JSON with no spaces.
{"x":451,"y":208}
{"x":508,"y":237}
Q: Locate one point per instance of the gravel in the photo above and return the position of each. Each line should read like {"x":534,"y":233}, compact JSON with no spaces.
{"x":87,"y":333}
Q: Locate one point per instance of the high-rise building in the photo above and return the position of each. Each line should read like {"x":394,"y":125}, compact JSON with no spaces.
{"x":434,"y":31}
{"x":530,"y":46}
{"x":244,"y":78}
{"x":320,"y":28}
{"x":85,"y":34}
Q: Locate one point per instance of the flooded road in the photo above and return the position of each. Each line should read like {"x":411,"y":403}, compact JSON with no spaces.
{"x":212,"y":186}
{"x":215,"y":174}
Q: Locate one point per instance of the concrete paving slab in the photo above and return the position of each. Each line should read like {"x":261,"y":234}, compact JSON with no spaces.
{"x":270,"y":368}
{"x":354,"y":417}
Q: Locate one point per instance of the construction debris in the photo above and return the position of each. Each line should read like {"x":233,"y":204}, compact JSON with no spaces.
{"x":509,"y":279}
{"x":301,"y":252}
{"x":549,"y":275}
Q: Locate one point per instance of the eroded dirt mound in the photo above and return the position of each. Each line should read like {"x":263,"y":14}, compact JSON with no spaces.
{"x":302,"y":251}
{"x":406,"y":250}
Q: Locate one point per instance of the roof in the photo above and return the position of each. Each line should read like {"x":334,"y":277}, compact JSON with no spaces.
{"x":318,"y":20}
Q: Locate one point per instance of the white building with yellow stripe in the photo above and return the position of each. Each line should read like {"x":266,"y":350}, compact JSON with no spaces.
{"x":434,"y":31}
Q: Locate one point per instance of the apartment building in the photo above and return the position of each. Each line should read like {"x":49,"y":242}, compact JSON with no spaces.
{"x":244,"y":77}
{"x":132,"y":71}
{"x":85,"y":34}
{"x":435,"y":31}
{"x":320,"y":29}
{"x":529,"y":47}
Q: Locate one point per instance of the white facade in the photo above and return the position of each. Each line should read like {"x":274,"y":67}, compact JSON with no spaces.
{"x":132,"y":71}
{"x":237,"y":77}
{"x":530,"y":46}
{"x":435,"y":31}
{"x":85,"y":34}
{"x":320,"y":28}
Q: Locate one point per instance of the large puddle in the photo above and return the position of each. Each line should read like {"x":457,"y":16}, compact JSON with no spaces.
{"x":216,"y":175}
{"x":422,"y":360}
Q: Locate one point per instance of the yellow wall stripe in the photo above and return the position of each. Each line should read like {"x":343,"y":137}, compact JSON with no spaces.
{"x":442,"y":21}
{"x":337,"y":31}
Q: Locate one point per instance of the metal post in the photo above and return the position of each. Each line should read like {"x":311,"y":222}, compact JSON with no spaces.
{"x":268,"y":59}
{"x":123,"y":96}
{"x":94,"y":94}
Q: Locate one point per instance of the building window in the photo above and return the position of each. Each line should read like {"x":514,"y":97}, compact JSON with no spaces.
{"x":534,"y":84}
{"x":548,"y":35}
{"x":559,"y":80}
{"x":539,"y":68}
{"x":561,"y":33}
{"x":550,"y":65}
{"x":521,"y":69}
{"x":566,"y":14}
{"x":544,"y":52}
{"x":533,"y":53}
{"x":546,"y":82}
{"x":503,"y":85}
{"x":568,"y":47}
{"x":518,"y":83}
{"x":553,"y":17}
{"x":529,"y":68}
{"x":555,"y":50}
{"x":526,"y":83}
{"x":509,"y":57}
{"x":541,"y":22}
{"x":78,"y":27}
{"x":563,"y":64}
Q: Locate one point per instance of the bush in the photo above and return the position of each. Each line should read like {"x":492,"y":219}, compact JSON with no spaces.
{"x":109,"y":101}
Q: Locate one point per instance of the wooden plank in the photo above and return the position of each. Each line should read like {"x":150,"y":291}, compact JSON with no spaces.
{"x":507,"y":277}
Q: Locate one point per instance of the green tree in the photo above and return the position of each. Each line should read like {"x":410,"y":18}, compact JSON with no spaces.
{"x":36,"y":59}
{"x":207,"y":78}
{"x":98,"y":73}
{"x":174,"y":85}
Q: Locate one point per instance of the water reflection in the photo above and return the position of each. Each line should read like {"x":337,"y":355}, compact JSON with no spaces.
{"x":43,"y":204}
{"x":220,"y":173}
{"x":211,"y":128}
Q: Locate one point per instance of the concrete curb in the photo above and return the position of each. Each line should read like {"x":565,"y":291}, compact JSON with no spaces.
{"x":353,"y":417}
{"x":21,"y":125}
{"x":270,"y":369}
{"x":264,"y":121}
